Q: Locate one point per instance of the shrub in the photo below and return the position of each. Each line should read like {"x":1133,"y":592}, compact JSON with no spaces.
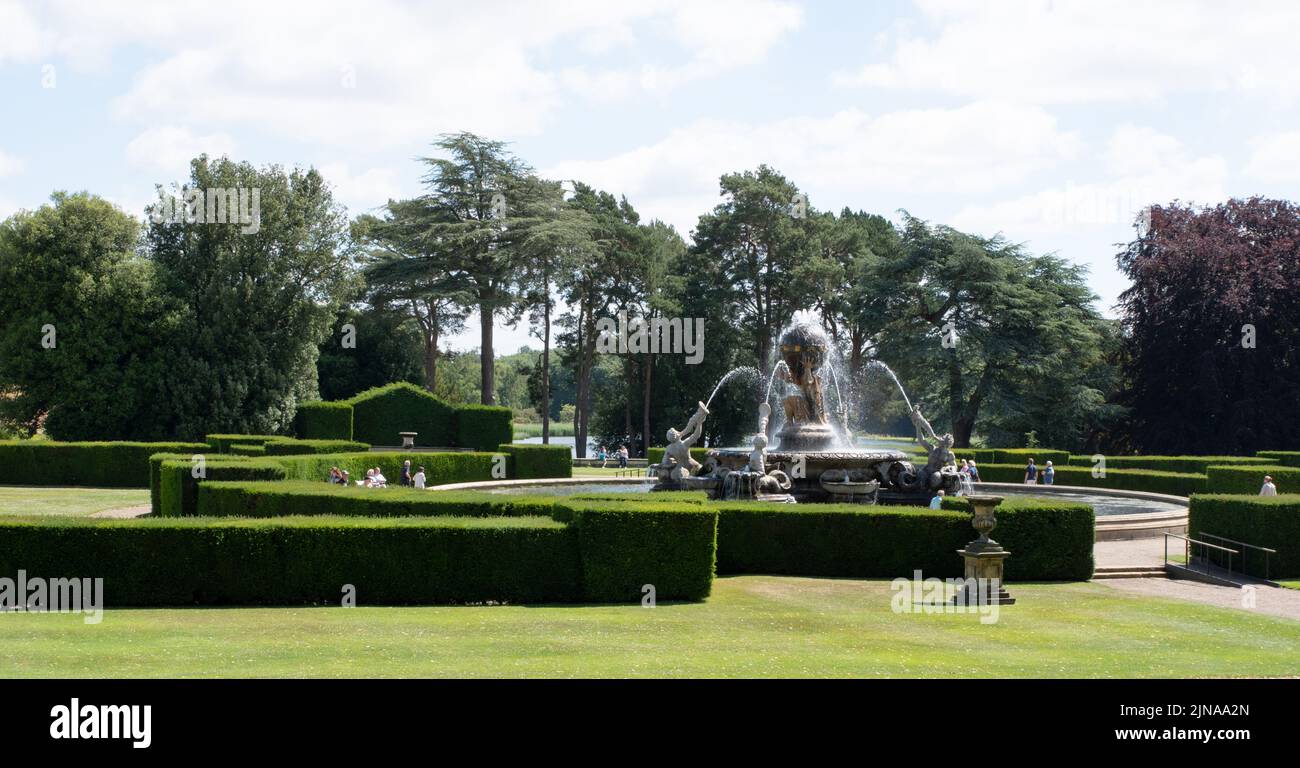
{"x":323,"y":421}
{"x":155,"y":476}
{"x":483,"y":427}
{"x":1192,"y":464}
{"x":379,"y":414}
{"x":1237,"y":479}
{"x":178,"y":488}
{"x":103,"y":465}
{"x":1022,"y":456}
{"x":294,"y":561}
{"x":980,"y":455}
{"x":528,"y":462}
{"x":304,"y":498}
{"x":642,"y":497}
{"x":1265,"y":521}
{"x":239,"y":449}
{"x":439,"y":468}
{"x":1285,"y":458}
{"x":1172,"y":483}
{"x":287,"y":446}
{"x":223,"y":443}
{"x":627,"y":546}
{"x":1049,"y":539}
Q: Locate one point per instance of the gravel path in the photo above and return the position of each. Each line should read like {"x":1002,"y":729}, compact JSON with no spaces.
{"x":1274,"y":601}
{"x":123,"y":513}
{"x":1134,"y":551}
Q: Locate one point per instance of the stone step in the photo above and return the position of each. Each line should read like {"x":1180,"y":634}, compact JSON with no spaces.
{"x":1129,"y":568}
{"x":1129,"y":575}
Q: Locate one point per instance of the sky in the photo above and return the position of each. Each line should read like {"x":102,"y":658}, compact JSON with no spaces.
{"x":1052,"y":122}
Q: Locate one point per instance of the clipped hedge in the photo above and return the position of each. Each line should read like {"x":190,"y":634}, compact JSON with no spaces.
{"x":302,"y":498}
{"x":90,"y":464}
{"x":1285,"y":458}
{"x":178,"y":488}
{"x":1049,"y":539}
{"x":1237,"y":479}
{"x":240,"y":449}
{"x":1171,"y":483}
{"x":1191,"y":464}
{"x":379,"y":414}
{"x":223,"y":443}
{"x":439,"y":468}
{"x":626,"y":546}
{"x":483,"y":427}
{"x":287,"y":446}
{"x":321,"y":420}
{"x":1265,"y":521}
{"x":534,"y":461}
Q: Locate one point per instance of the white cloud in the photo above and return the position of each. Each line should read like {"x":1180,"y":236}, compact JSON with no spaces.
{"x":9,"y":165}
{"x":363,"y":192}
{"x":169,"y":149}
{"x":1081,"y":51}
{"x":1275,"y":158}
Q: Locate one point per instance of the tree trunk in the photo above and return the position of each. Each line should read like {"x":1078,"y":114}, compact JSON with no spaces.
{"x":487,"y":362}
{"x":546,"y":371}
{"x":649,"y":367}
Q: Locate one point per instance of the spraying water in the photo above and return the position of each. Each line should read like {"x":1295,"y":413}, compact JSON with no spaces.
{"x":894,"y":376}
{"x":744,"y":370}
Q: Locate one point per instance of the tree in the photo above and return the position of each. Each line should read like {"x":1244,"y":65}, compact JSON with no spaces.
{"x":81,"y":323}
{"x":389,"y":347}
{"x":1212,"y":328}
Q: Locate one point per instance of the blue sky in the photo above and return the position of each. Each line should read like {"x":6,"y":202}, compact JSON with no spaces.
{"x":1054,"y":123}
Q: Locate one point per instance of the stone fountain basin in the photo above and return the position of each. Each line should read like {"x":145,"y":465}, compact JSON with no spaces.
{"x":816,"y":462}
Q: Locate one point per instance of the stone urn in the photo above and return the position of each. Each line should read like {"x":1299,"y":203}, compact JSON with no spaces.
{"x":983,"y":520}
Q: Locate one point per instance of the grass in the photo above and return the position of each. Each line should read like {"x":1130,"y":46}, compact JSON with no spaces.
{"x":534,"y":429}
{"x":1290,"y":583}
{"x":68,"y":502}
{"x":610,"y":471}
{"x":752,"y":626}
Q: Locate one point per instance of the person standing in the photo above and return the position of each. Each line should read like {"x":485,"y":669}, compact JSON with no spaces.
{"x":937,"y":501}
{"x":405,"y":479}
{"x":974,"y":472}
{"x":1031,"y":473}
{"x":419,"y":478}
{"x":1049,"y":474}
{"x":1268,"y":489}
{"x":622,"y":457}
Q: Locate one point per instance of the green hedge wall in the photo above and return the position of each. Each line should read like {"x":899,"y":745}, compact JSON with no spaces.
{"x":534,"y":461}
{"x":1172,"y":483}
{"x":379,"y":414}
{"x":155,"y":475}
{"x":1265,"y":521}
{"x":323,"y":421}
{"x":626,"y":546}
{"x":241,"y":449}
{"x":483,"y":427}
{"x":1049,"y":539}
{"x":304,"y":498}
{"x":1285,"y":458}
{"x":439,"y":468}
{"x":1237,"y":479}
{"x":287,"y":446}
{"x":178,"y":488}
{"x":1189,"y":464}
{"x":92,"y":464}
{"x":223,"y":443}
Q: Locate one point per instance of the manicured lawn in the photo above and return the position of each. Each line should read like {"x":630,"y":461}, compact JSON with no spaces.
{"x":77,"y":502}
{"x":752,"y":626}
{"x":610,"y":471}
{"x":1290,"y":583}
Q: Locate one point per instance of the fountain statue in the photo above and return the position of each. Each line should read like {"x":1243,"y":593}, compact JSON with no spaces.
{"x":812,"y":461}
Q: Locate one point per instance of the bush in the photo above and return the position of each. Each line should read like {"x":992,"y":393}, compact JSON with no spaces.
{"x":528,"y":462}
{"x":439,"y":468}
{"x":223,"y":443}
{"x":1022,"y":456}
{"x":1236,"y":479}
{"x":1265,"y":521}
{"x":1192,"y":464}
{"x":1171,"y":483}
{"x":1285,"y":458}
{"x":155,"y":476}
{"x":1049,"y":539}
{"x":627,"y":546}
{"x":323,"y":421}
{"x":101,"y":465}
{"x":287,"y":446}
{"x":379,"y":414}
{"x":239,"y":449}
{"x":642,"y":497}
{"x":304,"y":499}
{"x":483,"y":427}
{"x":178,"y":488}
{"x":294,"y":561}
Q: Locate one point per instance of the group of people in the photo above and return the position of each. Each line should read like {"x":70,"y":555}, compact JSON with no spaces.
{"x":968,"y":469}
{"x":620,"y":455}
{"x":375,"y":477}
{"x":1032,"y":473}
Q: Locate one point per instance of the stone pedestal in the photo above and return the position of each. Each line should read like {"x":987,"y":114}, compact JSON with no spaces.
{"x":983,"y":558}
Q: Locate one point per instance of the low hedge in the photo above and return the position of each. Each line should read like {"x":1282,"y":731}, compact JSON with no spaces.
{"x":379,"y":414}
{"x":658,"y":497}
{"x":483,"y":427}
{"x":288,"y":446}
{"x":321,"y":420}
{"x":240,"y":449}
{"x":1049,"y":539}
{"x":178,"y":488}
{"x":1192,"y":464}
{"x":90,"y":464}
{"x":1171,"y":483}
{"x":1265,"y":521}
{"x":155,"y":474}
{"x":439,"y":468}
{"x":223,"y":443}
{"x":1285,"y":458}
{"x":534,"y":461}
{"x":301,"y":498}
{"x":626,"y":546}
{"x":1237,"y":479}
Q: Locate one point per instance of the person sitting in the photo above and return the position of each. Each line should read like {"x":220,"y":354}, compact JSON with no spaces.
{"x":405,"y":479}
{"x":1268,"y":489}
{"x":345,"y":478}
{"x":336,"y":477}
{"x":380,"y":480}
{"x":937,"y":501}
{"x":369,"y":482}
{"x":418,"y":479}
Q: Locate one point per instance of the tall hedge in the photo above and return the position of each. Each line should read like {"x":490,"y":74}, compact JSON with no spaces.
{"x":95,"y":464}
{"x":483,"y":427}
{"x":1192,"y":464}
{"x":1237,"y":479}
{"x":1172,"y":483}
{"x":178,"y":488}
{"x":323,"y":421}
{"x":1285,"y":458}
{"x":1265,"y":521}
{"x":536,"y":461}
{"x":627,"y":547}
{"x":379,"y":414}
{"x":287,"y":446}
{"x":222,"y":443}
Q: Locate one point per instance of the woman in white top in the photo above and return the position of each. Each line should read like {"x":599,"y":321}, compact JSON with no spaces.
{"x":418,"y":479}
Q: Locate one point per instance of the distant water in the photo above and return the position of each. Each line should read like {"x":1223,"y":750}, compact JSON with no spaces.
{"x":570,"y":441}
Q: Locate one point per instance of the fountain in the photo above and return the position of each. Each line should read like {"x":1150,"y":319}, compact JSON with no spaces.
{"x":813,"y":461}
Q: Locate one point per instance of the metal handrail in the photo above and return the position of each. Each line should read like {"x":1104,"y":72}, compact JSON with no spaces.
{"x":1187,"y":547}
{"x":1266,"y":550}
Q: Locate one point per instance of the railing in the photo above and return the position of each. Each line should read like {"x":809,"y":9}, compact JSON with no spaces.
{"x":1267,"y":552}
{"x":1188,"y":542}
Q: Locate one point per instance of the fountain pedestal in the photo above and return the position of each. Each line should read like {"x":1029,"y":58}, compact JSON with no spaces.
{"x":983,"y":559}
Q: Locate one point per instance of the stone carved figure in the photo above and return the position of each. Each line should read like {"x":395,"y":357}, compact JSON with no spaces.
{"x":678,"y":462}
{"x":939,"y":449}
{"x":758,"y":456}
